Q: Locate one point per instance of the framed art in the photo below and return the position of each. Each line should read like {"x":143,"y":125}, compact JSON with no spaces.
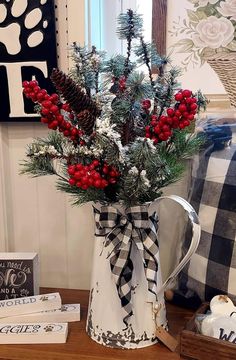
{"x":27,"y":51}
{"x":174,"y":33}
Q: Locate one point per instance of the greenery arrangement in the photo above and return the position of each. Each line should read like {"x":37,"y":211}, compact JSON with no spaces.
{"x":116,"y":134}
{"x":207,"y":30}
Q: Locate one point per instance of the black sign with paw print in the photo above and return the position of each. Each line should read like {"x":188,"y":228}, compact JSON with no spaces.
{"x":27,"y":51}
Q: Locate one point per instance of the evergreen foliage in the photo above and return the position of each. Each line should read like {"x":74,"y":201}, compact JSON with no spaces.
{"x":114,"y":67}
{"x":130,"y":25}
{"x":86,"y":67}
{"x":139,"y":87}
{"x":120,"y":135}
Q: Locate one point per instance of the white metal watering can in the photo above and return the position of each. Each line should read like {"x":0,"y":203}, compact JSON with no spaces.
{"x":127,"y":293}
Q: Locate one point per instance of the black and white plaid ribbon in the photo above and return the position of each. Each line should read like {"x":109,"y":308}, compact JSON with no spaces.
{"x":121,"y":232}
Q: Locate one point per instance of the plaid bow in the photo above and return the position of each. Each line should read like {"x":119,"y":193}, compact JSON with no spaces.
{"x":121,"y":232}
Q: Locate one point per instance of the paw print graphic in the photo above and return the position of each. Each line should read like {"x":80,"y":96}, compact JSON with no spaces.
{"x":21,"y":24}
{"x":64,"y":308}
{"x":48,"y":328}
{"x":24,"y":292}
{"x":68,"y":308}
{"x":53,"y":327}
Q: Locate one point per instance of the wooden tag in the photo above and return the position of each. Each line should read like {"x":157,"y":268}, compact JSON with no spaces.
{"x":168,"y":340}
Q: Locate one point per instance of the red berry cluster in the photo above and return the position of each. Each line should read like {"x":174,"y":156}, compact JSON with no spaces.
{"x":146,"y":104}
{"x":122,"y":83}
{"x":160,"y":128}
{"x":51,"y":110}
{"x":92,"y":175}
{"x":185,"y":109}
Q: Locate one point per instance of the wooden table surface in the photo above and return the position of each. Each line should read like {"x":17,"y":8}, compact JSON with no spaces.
{"x":80,"y":347}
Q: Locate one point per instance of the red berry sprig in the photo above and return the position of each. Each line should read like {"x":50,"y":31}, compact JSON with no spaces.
{"x":93,"y":175}
{"x":180,"y":116}
{"x":51,"y":110}
{"x":146,"y":104}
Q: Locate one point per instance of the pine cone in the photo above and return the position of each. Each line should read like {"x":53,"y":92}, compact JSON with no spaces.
{"x":128,"y":133}
{"x":73,"y":93}
{"x":86,"y":121}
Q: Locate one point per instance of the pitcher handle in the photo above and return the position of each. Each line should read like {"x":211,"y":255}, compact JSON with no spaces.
{"x":196,"y":228}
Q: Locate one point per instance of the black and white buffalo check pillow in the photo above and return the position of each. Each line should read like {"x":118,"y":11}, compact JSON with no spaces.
{"x":212,"y":269}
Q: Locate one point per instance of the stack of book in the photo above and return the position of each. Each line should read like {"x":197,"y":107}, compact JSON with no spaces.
{"x":36,"y":319}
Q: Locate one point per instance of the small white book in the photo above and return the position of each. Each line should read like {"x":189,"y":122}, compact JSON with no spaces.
{"x":33,"y":333}
{"x":29,"y":304}
{"x":67,"y":313}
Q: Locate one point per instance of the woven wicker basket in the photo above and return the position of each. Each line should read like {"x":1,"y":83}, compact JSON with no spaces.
{"x":225,"y":67}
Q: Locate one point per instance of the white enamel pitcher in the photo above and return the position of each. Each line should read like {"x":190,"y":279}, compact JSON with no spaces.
{"x":107,"y":322}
